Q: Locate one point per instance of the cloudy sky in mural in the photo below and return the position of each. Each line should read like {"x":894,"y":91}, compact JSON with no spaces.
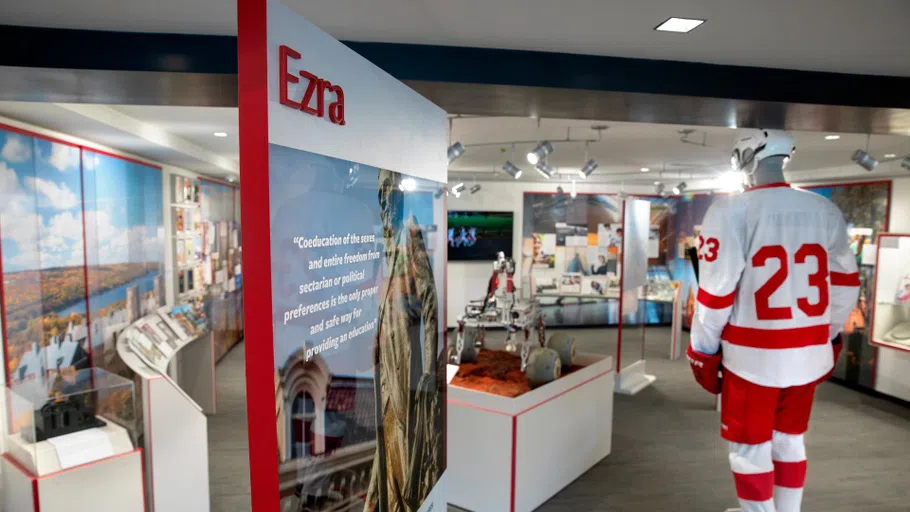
{"x":41,"y":203}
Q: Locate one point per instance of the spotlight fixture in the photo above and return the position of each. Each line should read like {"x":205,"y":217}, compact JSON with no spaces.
{"x":457,"y":189}
{"x":455,"y":151}
{"x":832,"y":137}
{"x":679,"y":25}
{"x":408,"y":185}
{"x":475,"y":189}
{"x":540,"y":152}
{"x":440,"y":192}
{"x":905,"y":163}
{"x":545,"y":170}
{"x":659,"y":187}
{"x":864,"y":160}
{"x":220,"y":134}
{"x":511,"y":169}
{"x":589,"y":167}
{"x":680,"y":188}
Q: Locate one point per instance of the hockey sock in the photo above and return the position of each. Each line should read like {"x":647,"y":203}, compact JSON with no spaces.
{"x":789,"y":454}
{"x":753,"y":473}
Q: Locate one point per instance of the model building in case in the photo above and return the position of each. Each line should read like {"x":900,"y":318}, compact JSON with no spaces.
{"x":891,"y":313}
{"x":66,"y":403}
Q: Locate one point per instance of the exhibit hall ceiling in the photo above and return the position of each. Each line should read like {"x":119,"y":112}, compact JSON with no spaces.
{"x":205,"y":140}
{"x":818,"y":35}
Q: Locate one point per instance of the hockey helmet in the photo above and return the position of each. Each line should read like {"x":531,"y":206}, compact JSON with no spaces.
{"x":753,"y":146}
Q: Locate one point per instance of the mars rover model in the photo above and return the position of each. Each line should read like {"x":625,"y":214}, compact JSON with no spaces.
{"x":542,"y":360}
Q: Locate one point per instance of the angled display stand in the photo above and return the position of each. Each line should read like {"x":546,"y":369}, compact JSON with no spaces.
{"x":175,"y":426}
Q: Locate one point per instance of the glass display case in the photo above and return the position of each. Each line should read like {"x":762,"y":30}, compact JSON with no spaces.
{"x":891,"y":309}
{"x":69,"y":418}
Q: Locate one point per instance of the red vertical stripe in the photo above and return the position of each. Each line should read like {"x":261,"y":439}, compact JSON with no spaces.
{"x":35,"y":495}
{"x":514,"y":461}
{"x":622,"y":246}
{"x":88,"y":314}
{"x":252,"y":47}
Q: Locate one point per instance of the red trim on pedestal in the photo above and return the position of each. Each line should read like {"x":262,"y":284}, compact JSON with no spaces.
{"x":715,"y":302}
{"x":252,"y":84}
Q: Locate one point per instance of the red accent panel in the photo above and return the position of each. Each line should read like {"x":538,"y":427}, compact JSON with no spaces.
{"x":36,"y":499}
{"x":514,"y":461}
{"x":754,"y":487}
{"x":252,"y":47}
{"x":713,"y":301}
{"x":622,"y":250}
{"x":776,"y":338}
{"x":769,"y":185}
{"x":790,"y":474}
{"x":839,"y":279}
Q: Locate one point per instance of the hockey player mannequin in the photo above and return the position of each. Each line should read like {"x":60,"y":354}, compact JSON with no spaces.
{"x":777,"y":282}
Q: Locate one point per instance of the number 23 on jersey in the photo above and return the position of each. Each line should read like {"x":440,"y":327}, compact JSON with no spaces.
{"x":707,"y":249}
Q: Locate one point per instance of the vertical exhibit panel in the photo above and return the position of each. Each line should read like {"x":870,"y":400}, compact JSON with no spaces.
{"x":44,"y":296}
{"x":342,"y":172}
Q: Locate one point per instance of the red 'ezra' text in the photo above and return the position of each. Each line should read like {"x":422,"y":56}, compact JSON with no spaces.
{"x":317,"y":90}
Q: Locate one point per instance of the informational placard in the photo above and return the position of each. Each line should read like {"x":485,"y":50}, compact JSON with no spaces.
{"x":343,"y":170}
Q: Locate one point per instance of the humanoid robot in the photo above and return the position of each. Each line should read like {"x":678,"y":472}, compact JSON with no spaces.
{"x":777,"y":281}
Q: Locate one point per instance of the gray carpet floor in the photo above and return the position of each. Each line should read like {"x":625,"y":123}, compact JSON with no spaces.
{"x":667,"y":452}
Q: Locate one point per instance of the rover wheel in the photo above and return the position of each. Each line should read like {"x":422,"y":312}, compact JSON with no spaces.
{"x":470,"y":350}
{"x":544,"y":365}
{"x":564,"y":345}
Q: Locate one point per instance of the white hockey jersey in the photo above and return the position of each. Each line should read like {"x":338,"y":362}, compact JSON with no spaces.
{"x":777,"y":281}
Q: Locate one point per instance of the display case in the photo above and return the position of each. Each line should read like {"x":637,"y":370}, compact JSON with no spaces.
{"x":69,"y":418}
{"x":891,"y":309}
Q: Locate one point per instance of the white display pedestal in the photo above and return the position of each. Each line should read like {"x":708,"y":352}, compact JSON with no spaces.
{"x":113,"y":484}
{"x":513,"y":454}
{"x":632,"y":379}
{"x":176,"y":439}
{"x":193,"y":367}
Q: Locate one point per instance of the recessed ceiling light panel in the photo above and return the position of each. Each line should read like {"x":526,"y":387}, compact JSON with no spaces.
{"x":832,"y":137}
{"x":220,"y":134}
{"x":679,"y":25}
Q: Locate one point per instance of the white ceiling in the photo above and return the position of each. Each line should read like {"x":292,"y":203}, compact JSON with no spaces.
{"x":848,"y":36}
{"x":627,"y":147}
{"x":183,"y":137}
{"x":178,"y":136}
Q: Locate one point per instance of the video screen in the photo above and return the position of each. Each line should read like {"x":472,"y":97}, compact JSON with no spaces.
{"x":478,"y":236}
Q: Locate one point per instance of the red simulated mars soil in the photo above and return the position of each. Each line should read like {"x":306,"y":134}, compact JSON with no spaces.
{"x":496,"y":372}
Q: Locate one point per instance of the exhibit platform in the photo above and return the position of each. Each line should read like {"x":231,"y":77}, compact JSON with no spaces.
{"x":513,"y":454}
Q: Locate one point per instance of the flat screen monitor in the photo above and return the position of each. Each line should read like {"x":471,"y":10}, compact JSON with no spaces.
{"x":478,"y":236}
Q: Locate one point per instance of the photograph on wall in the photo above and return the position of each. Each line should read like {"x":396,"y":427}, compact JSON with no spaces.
{"x":358,"y":332}
{"x":594,"y":251}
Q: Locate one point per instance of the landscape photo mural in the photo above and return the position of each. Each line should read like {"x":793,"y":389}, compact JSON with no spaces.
{"x":82,"y":242}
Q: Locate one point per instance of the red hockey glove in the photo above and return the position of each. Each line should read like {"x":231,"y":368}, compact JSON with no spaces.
{"x":836,"y":345}
{"x":706,"y":369}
